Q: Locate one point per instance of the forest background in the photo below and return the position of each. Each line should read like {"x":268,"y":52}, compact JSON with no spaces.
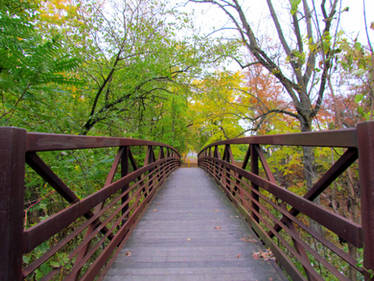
{"x":141,"y":69}
{"x":145,"y":69}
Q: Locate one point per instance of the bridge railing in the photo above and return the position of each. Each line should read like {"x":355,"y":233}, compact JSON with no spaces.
{"x":286,"y":221}
{"x":89,"y":232}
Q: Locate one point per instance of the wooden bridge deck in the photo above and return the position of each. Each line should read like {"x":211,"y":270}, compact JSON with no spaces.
{"x":191,"y":231}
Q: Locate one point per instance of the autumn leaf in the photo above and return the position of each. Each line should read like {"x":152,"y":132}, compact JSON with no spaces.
{"x":266,"y":255}
{"x":256,"y":255}
{"x":248,"y":239}
{"x":218,"y":227}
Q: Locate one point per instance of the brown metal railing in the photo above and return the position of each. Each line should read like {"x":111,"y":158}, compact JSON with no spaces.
{"x":284,"y":220}
{"x":94,"y":228}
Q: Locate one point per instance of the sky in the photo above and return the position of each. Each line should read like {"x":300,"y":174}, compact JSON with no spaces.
{"x":207,"y":17}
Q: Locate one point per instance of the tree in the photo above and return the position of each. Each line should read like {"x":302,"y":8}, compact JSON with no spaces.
{"x":357,"y":73}
{"x":29,"y":62}
{"x":303,"y":62}
{"x":214,"y":112}
{"x":131,"y":57}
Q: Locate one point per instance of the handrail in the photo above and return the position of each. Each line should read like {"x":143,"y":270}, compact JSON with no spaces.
{"x":47,"y":142}
{"x":335,"y":138}
{"x":273,"y":211}
{"x":97,"y":225}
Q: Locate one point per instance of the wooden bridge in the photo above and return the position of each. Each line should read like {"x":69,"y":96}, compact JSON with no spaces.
{"x":162,"y":222}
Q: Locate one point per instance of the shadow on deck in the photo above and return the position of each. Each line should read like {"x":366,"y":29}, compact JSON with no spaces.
{"x":191,"y":231}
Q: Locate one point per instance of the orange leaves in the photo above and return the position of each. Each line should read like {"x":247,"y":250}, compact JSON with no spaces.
{"x":266,"y":255}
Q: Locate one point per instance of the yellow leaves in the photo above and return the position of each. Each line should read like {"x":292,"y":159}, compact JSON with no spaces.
{"x":196,"y":83}
{"x":275,"y":71}
{"x":57,"y":12}
{"x":214,"y":105}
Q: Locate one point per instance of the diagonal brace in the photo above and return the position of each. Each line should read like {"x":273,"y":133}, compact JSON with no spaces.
{"x":346,"y":160}
{"x":39,"y":166}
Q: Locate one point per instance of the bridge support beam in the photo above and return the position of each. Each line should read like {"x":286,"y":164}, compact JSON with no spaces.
{"x":12,"y":171}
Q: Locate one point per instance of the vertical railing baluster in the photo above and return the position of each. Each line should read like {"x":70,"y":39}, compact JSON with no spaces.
{"x":365,"y":137}
{"x":12,"y":172}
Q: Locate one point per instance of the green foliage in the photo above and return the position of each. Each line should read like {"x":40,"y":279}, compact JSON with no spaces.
{"x":294,"y":6}
{"x":29,"y":64}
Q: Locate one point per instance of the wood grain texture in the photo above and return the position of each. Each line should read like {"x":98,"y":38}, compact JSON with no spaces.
{"x":191,"y":231}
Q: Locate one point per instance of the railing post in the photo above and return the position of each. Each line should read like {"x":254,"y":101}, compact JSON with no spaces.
{"x":254,"y":169}
{"x":150,"y":158}
{"x":365,"y":137}
{"x":228,"y":159}
{"x":160,"y":173}
{"x":124,"y":172}
{"x":216,"y":166}
{"x":12,"y":172}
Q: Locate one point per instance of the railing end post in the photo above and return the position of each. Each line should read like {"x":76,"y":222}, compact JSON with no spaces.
{"x":12,"y":172}
{"x":365,"y":139}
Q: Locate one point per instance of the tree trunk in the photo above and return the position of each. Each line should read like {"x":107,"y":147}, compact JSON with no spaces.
{"x":308,"y":157}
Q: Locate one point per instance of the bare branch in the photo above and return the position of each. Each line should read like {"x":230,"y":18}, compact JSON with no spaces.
{"x":243,"y":66}
{"x":295,"y":23}
{"x":278,"y":28}
{"x":366,"y":29}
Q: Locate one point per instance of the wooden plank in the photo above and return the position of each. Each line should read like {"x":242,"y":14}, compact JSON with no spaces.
{"x":191,"y":232}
